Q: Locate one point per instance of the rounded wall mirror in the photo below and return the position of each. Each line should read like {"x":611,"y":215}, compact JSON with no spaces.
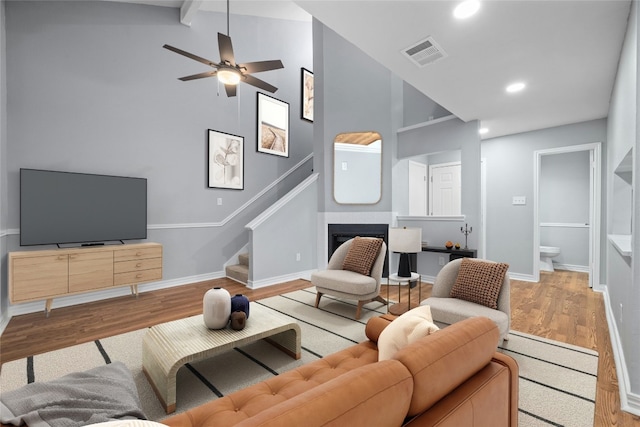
{"x":357,"y":168}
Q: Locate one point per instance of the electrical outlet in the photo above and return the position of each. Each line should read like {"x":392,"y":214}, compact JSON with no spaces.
{"x":519,"y":200}
{"x":298,"y":256}
{"x":219,"y":201}
{"x":441,"y":260}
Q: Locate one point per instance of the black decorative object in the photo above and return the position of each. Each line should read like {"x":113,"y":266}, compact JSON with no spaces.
{"x":466,"y":231}
{"x":240,"y":302}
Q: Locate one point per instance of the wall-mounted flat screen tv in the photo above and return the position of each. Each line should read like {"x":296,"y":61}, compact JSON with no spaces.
{"x":68,"y":207}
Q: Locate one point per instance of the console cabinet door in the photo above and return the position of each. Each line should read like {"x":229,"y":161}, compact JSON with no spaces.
{"x":39,"y":277}
{"x":90,"y":270}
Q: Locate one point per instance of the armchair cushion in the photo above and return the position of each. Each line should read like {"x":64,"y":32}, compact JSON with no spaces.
{"x":409,"y":327}
{"x":479,"y":282}
{"x":362,"y":253}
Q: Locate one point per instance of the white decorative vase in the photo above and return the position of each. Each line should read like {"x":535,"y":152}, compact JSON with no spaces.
{"x":216,"y":308}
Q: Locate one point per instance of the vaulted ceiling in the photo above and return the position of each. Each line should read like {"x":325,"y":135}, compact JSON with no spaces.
{"x":566,"y":52}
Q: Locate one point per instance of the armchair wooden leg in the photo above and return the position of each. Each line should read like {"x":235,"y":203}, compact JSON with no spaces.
{"x":380,"y":299}
{"x":359,"y":309}
{"x":318,"y":296}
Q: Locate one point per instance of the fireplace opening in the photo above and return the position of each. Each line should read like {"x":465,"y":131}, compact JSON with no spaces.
{"x":340,"y":233}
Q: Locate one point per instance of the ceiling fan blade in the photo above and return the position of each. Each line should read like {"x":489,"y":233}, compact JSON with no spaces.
{"x":261,"y":84}
{"x":231,"y":90}
{"x":198,"y":76}
{"x":256,"y":67}
{"x":226,"y":49}
{"x":190,"y":55}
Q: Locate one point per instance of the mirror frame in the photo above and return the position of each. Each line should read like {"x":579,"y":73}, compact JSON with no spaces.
{"x":366,"y":135}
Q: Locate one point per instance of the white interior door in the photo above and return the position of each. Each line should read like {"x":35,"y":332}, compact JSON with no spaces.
{"x":444,"y":189}
{"x":417,"y":189}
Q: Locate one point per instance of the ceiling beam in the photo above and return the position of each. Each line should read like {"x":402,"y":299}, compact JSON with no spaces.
{"x":188,"y":10}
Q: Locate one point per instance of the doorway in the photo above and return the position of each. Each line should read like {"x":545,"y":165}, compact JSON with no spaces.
{"x":592,"y":224}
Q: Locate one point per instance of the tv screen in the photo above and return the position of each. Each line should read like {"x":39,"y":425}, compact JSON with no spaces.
{"x":68,"y":207}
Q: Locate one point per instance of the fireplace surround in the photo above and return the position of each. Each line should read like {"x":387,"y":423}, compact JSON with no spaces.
{"x":340,"y":233}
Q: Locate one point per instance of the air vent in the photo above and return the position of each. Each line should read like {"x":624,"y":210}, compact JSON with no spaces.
{"x":424,"y":52}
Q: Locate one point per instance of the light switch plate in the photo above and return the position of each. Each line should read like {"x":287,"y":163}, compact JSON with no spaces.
{"x":519,"y":200}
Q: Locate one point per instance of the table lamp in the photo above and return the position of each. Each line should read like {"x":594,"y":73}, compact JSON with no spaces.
{"x":405,"y":241}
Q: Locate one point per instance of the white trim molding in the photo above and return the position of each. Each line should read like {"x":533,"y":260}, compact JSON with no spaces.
{"x":281,"y":202}
{"x":263,"y":283}
{"x":432,"y":218}
{"x":629,"y":402}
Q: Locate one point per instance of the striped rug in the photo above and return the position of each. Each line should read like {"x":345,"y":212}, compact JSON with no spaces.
{"x":557,"y":381}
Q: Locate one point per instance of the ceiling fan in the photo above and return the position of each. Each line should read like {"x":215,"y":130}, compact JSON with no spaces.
{"x":228,"y":71}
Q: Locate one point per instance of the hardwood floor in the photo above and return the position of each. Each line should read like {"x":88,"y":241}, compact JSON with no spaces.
{"x":559,"y":307}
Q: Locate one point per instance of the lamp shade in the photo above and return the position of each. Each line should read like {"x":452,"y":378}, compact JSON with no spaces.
{"x":405,"y":240}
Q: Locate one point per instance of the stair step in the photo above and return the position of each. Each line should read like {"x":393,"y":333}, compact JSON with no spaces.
{"x":238,"y":272}
{"x":244,"y":259}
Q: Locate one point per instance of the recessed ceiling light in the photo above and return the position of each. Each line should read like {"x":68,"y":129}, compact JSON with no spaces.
{"x":515,"y":87}
{"x":482,"y":131}
{"x":466,"y":9}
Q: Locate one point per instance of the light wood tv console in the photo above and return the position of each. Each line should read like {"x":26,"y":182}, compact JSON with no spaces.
{"x":48,"y":274}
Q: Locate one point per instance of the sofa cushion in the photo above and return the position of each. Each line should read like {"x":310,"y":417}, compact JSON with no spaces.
{"x":345,"y":281}
{"x":479,"y":282}
{"x":407,"y":328}
{"x":442,"y":361}
{"x":354,"y":398}
{"x":362,"y":254}
{"x":447,"y":311}
{"x":243,"y":404}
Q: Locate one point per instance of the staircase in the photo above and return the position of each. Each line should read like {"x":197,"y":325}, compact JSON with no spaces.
{"x":239,"y":272}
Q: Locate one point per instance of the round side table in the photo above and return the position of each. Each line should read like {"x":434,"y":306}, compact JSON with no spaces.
{"x":400,"y":307}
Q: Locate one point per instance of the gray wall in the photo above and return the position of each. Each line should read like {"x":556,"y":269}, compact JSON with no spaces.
{"x":623,"y":273}
{"x":564,"y":199}
{"x":510,"y":172}
{"x":275,"y":253}
{"x":353,"y":93}
{"x":418,"y":108}
{"x":90,"y":89}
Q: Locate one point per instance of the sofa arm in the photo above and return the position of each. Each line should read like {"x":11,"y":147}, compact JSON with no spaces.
{"x":442,"y":361}
{"x":376,"y":325}
{"x":514,"y":372}
{"x":354,"y":398}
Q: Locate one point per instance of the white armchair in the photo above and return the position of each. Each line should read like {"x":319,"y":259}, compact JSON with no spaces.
{"x":447,"y":310}
{"x":348,"y":284}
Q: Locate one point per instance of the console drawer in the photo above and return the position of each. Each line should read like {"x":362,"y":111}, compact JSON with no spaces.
{"x":138,"y":253}
{"x":137,"y":265}
{"x":136,"y":277}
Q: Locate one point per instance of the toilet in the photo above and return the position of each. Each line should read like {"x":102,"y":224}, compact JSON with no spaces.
{"x":546,"y":253}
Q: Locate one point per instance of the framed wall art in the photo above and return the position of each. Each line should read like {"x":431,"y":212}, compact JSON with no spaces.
{"x":273,"y":126}
{"x":226,"y":161}
{"x":306,"y":103}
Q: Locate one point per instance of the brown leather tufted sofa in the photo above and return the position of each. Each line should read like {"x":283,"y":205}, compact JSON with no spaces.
{"x":453,"y":377}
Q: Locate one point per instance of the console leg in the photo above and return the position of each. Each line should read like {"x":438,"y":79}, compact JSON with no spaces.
{"x":134,"y":290}
{"x":47,"y":307}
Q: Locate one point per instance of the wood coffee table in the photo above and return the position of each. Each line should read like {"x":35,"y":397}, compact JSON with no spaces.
{"x":168,"y":346}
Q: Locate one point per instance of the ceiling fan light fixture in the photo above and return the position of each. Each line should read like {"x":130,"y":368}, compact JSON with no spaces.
{"x":229,"y":76}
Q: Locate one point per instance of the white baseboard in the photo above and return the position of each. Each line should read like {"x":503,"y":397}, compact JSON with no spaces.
{"x":255,"y":284}
{"x":629,"y":402}
{"x":522,"y":277}
{"x":571,"y":267}
{"x":33,"y":307}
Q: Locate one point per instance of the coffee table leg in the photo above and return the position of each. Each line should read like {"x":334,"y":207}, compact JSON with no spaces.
{"x":288,"y":341}
{"x":164,"y":386}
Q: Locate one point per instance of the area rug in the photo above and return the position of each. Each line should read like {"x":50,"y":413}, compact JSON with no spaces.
{"x":557,"y":381}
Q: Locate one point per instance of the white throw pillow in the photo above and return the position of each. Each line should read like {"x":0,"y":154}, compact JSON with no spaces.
{"x":411,"y":326}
